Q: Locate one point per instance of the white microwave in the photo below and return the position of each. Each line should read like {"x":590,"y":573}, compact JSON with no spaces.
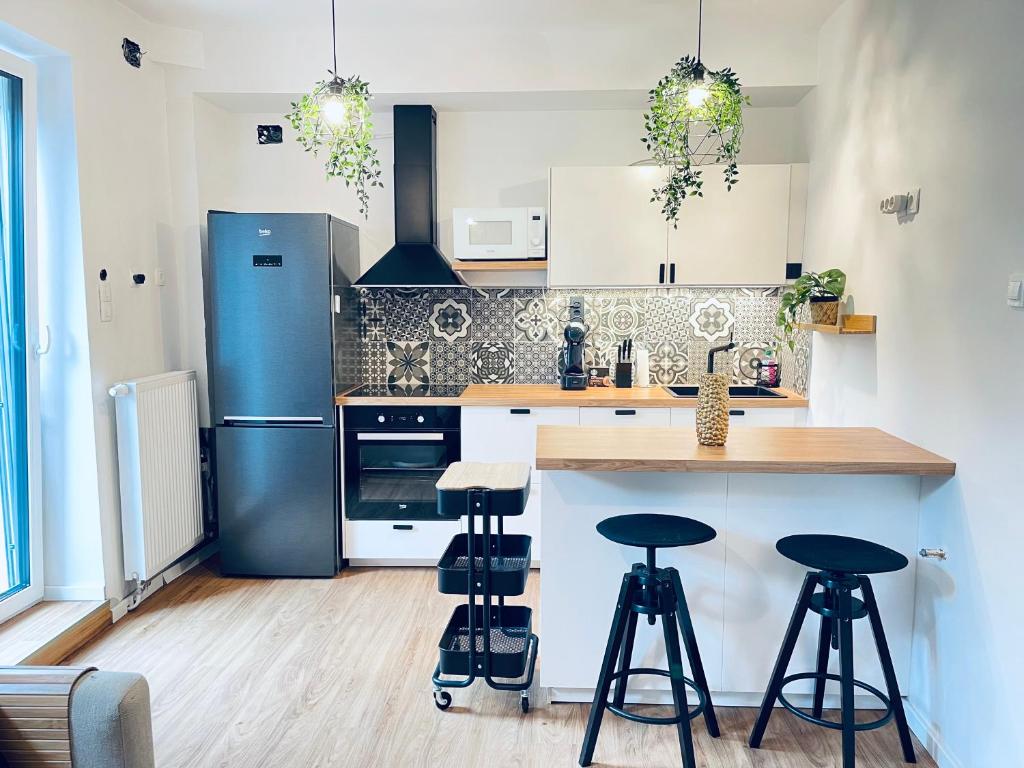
{"x":499,"y":233}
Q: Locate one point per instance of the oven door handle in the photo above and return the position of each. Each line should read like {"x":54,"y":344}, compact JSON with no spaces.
{"x":432,"y":437}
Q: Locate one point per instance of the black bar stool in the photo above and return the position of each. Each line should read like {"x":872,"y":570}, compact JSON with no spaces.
{"x":654,"y":592}
{"x":840,"y":564}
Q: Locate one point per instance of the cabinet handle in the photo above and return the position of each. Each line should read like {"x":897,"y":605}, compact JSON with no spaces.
{"x":672,"y":272}
{"x":737,"y":412}
{"x":402,"y":527}
{"x":661,"y":273}
{"x":625,"y":412}
{"x":519,"y":411}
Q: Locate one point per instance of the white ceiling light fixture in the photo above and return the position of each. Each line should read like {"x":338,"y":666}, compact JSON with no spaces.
{"x":335,"y":118}
{"x":695,"y":118}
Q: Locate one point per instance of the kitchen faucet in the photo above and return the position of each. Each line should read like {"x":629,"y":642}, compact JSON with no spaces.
{"x":713,"y":350}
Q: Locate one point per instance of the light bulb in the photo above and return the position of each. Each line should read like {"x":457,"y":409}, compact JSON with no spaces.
{"x":334,"y":111}
{"x":697,"y":94}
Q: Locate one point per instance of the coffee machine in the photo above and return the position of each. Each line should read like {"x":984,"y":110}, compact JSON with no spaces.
{"x":574,"y":376}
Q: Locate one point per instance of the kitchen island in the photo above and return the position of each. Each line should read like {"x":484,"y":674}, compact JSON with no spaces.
{"x":766,"y":483}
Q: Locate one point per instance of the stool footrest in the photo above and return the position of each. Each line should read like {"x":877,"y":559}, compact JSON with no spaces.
{"x":869,"y":726}
{"x":682,"y":716}
{"x":858,"y":608}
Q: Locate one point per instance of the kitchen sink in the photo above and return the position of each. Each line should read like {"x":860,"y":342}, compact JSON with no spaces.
{"x":748,"y":391}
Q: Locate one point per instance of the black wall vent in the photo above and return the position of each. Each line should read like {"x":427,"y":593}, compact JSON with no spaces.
{"x":132,"y":53}
{"x":269,"y":134}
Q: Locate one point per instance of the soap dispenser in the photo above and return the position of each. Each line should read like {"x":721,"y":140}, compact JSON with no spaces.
{"x":767,"y":369}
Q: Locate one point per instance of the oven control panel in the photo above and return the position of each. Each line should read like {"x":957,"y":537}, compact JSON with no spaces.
{"x":403,"y":418}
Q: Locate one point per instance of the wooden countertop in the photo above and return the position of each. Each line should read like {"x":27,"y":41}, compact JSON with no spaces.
{"x":550,"y":395}
{"x":796,"y":450}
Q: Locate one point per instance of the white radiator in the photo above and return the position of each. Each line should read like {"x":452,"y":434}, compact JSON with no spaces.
{"x":158,"y":460}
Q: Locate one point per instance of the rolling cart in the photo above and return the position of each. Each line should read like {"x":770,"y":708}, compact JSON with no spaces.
{"x":485,"y":639}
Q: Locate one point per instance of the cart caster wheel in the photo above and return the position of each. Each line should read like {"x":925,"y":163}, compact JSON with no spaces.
{"x":524,"y":703}
{"x":442,"y":700}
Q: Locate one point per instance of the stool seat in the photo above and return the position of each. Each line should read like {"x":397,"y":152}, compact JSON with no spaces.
{"x":651,"y":530}
{"x":840,"y":554}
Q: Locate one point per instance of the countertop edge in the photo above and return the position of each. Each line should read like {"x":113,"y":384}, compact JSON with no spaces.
{"x":642,"y":397}
{"x":746,"y":467}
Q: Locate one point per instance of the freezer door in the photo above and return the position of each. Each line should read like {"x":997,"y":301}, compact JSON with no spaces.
{"x":270,"y":317}
{"x":276,"y":491}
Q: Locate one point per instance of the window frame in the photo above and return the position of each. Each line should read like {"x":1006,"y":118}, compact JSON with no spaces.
{"x":31,"y":594}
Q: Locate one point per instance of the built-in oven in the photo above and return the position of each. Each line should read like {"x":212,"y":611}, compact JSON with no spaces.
{"x":393,"y":457}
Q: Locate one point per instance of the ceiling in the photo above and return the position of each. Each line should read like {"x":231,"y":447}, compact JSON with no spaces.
{"x":207,"y":14}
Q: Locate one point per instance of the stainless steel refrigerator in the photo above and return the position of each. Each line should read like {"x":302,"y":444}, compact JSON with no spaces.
{"x":282,"y":325}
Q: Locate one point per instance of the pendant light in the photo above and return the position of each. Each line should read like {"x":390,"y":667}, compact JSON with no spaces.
{"x":695,"y":118}
{"x":335,"y":118}
{"x":699,"y":91}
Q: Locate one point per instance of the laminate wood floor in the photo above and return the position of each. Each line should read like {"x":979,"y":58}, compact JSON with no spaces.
{"x":291,"y":673}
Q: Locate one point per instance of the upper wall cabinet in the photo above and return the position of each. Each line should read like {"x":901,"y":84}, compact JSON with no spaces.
{"x":734,"y":237}
{"x":602,"y":228}
{"x":605,"y":231}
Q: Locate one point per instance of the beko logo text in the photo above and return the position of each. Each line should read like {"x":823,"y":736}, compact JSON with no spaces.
{"x":264,"y":233}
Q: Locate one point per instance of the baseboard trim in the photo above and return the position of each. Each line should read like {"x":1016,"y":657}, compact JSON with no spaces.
{"x":132,"y":601}
{"x":71,"y":639}
{"x":387,"y":562}
{"x":927,"y":734}
{"x":87,"y":592}
{"x":721,"y":698}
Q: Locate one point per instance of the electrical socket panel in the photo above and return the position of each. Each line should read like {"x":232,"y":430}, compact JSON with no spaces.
{"x":903,"y":204}
{"x":913,"y":201}
{"x":1015,"y":291}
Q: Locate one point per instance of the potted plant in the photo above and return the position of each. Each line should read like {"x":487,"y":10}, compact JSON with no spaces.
{"x":821,"y":291}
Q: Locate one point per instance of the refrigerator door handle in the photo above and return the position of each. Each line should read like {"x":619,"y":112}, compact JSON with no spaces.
{"x":273,"y":420}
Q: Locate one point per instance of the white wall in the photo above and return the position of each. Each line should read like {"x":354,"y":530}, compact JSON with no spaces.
{"x":116,"y":119}
{"x":926,"y":92}
{"x":490,"y":45}
{"x":484,"y":158}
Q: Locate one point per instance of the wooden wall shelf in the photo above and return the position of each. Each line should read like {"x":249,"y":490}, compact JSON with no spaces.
{"x":500,"y":266}
{"x":849,"y":325}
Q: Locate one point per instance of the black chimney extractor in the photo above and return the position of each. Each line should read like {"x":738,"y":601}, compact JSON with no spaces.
{"x":415,"y":259}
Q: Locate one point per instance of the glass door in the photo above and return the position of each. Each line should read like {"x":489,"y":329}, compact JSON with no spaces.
{"x":392,"y":475}
{"x":20,"y":521}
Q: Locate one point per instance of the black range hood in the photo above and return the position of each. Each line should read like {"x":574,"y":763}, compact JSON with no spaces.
{"x":415,"y":259}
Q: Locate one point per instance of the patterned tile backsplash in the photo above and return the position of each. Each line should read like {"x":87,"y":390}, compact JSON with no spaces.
{"x":465,"y":335}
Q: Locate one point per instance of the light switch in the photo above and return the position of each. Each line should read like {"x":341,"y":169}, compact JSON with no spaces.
{"x":106,"y":303}
{"x":1015,"y":291}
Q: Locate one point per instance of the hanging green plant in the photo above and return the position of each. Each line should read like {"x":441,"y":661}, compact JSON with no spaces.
{"x":695,"y":119}
{"x":335,"y":119}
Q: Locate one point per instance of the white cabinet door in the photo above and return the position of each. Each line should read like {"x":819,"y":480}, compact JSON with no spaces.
{"x":684,"y":417}
{"x":761,"y":586}
{"x":747,"y":417}
{"x":603,"y":229}
{"x":583,"y":576}
{"x":398,"y":542}
{"x":528,"y":523}
{"x":509,"y":434}
{"x":767,"y":417}
{"x":625,"y":417}
{"x":737,"y":237}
